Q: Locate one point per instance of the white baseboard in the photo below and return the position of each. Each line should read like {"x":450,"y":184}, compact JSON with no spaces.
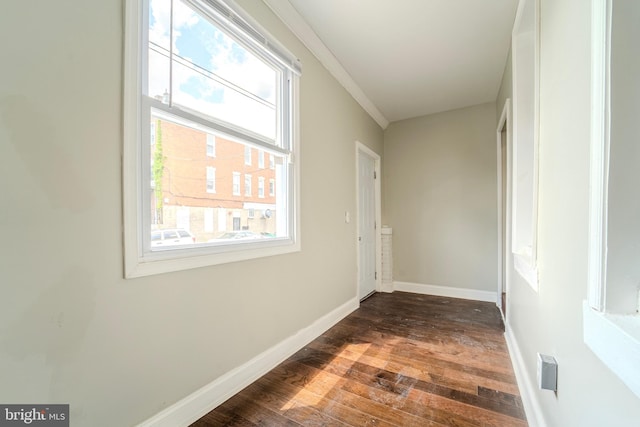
{"x":446,"y":291}
{"x":532,"y":408}
{"x":197,"y":404}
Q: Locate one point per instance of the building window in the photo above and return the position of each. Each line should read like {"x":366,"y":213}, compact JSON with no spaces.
{"x":251,"y":213}
{"x":261,"y":159}
{"x":211,"y":145}
{"x":261,"y":187}
{"x":196,"y":67}
{"x":272,"y":187}
{"x":211,"y":179}
{"x":247,"y":185}
{"x":236,"y":184}
{"x":272,"y":161}
{"x":247,"y":156}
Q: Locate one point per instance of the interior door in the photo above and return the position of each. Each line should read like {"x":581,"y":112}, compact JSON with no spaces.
{"x":366,"y":225}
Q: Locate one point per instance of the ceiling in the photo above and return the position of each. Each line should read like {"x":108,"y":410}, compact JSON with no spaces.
{"x":407,"y":58}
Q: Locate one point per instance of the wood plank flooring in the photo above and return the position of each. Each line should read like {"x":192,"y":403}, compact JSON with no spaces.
{"x":401,"y":359}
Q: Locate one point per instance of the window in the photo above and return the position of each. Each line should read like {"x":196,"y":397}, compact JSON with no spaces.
{"x":211,"y":145}
{"x":247,"y":156}
{"x":204,"y":70}
{"x":272,"y":162}
{"x":251,"y":213}
{"x":611,"y":318}
{"x":272,"y":187}
{"x":211,"y":179}
{"x":236,"y":183}
{"x":261,"y":159}
{"x":525,"y":140}
{"x":247,"y":185}
{"x":261,"y":187}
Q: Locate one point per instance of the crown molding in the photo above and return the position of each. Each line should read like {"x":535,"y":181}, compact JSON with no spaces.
{"x":296,"y":23}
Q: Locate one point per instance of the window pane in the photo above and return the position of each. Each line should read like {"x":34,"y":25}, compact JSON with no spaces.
{"x":211,"y":73}
{"x":183,"y":177}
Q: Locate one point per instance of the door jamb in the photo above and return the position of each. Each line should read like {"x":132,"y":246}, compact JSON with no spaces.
{"x":363,"y":149}
{"x":503,"y":282}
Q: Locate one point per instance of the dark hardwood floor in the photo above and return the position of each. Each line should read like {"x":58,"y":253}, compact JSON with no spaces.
{"x":399,"y":360}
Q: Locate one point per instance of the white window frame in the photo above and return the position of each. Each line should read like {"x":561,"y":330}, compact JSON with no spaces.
{"x":525,"y":140}
{"x":247,"y":188}
{"x":260,"y":159}
{"x":139,"y":260}
{"x":211,"y":176}
{"x":247,"y":155}
{"x":235,"y":184}
{"x":272,"y":161}
{"x":614,"y":338}
{"x":211,"y":145}
{"x":261,"y":187}
{"x":272,"y":187}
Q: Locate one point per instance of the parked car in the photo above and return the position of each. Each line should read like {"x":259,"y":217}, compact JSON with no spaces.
{"x":171,"y":237}
{"x":237,"y":235}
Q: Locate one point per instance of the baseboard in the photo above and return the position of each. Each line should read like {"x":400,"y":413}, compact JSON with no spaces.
{"x":446,"y":291}
{"x":532,"y":408}
{"x":194,"y":406}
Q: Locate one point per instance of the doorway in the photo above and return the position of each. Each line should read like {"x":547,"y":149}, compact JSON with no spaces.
{"x":368,"y":230}
{"x":504,"y":181}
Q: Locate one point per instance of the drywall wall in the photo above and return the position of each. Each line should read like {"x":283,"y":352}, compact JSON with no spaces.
{"x":440,"y":198}
{"x":72,"y":330}
{"x":550,"y":320}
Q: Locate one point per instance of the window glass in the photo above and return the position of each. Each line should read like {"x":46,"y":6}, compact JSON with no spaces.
{"x":210,"y":73}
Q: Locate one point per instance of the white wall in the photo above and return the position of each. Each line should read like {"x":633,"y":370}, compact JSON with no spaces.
{"x":72,"y":330}
{"x":550,"y":321}
{"x":440,"y":198}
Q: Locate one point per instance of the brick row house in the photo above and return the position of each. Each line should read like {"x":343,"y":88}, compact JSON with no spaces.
{"x":208,"y":184}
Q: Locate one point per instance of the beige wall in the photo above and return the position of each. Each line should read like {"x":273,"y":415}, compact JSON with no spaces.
{"x":72,"y":330}
{"x":440,"y":198}
{"x":550,"y":320}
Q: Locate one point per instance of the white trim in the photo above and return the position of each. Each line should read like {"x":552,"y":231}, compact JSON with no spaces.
{"x":362,"y":148}
{"x":599,"y":158}
{"x":615,"y":339}
{"x":529,"y":273}
{"x":202,"y":401}
{"x":528,"y":392}
{"x":523,"y":264}
{"x":503,"y":123}
{"x":296,"y":23}
{"x":445,"y":291}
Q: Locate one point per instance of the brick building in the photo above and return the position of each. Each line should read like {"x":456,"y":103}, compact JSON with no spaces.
{"x":210,"y":184}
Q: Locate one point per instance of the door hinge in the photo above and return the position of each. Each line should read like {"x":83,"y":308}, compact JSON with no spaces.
{"x":375,"y":175}
{"x":375,"y":275}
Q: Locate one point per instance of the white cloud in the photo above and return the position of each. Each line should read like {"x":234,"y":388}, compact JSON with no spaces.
{"x":250,"y":73}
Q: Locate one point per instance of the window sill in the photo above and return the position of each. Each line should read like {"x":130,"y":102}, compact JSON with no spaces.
{"x":159,"y":262}
{"x":523,"y":264}
{"x":615,"y":339}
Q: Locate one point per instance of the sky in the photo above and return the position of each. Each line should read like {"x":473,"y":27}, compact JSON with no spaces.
{"x":199,"y":42}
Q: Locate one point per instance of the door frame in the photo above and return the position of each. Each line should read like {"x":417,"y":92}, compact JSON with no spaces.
{"x":362,"y":149}
{"x":504,"y":252}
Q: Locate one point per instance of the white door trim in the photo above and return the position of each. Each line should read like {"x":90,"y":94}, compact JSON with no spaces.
{"x":363,"y":149}
{"x":505,"y":121}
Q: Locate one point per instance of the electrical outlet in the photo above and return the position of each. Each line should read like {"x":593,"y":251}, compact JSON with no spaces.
{"x":547,"y":372}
